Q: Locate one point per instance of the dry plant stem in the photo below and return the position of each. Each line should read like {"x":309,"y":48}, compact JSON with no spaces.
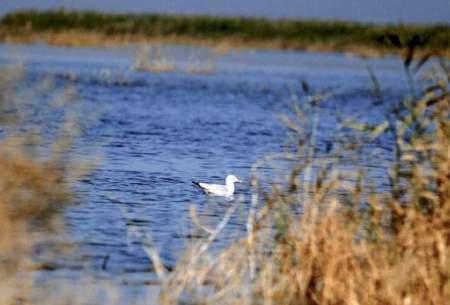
{"x":152,"y":253}
{"x":251,"y":224}
{"x":196,"y":221}
{"x":205,"y":245}
{"x":390,"y":247}
{"x":310,"y":156}
{"x":175,"y":285}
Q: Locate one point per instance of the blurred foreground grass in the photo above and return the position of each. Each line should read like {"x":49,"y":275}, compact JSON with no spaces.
{"x":88,"y":28}
{"x":325,"y":236}
{"x":36,"y":172}
{"x":328,"y":236}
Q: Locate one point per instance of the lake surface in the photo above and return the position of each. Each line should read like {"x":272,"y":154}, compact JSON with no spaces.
{"x":156,"y":132}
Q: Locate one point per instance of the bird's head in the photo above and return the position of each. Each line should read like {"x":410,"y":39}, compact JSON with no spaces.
{"x":232,"y":179}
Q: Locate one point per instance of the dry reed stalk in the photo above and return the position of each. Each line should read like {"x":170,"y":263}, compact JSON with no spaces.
{"x":308,"y":244}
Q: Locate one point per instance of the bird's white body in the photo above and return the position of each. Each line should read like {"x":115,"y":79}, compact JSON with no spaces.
{"x":226,"y":190}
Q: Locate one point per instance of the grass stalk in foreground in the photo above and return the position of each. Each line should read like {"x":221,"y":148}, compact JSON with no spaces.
{"x":34,"y":183}
{"x":326,"y":237}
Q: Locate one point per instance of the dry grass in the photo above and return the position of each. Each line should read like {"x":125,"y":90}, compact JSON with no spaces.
{"x":34,"y":188}
{"x":322,"y":237}
{"x":327,"y":236}
{"x":79,"y":38}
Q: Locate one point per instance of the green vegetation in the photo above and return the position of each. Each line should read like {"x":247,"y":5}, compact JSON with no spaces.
{"x":239,"y":31}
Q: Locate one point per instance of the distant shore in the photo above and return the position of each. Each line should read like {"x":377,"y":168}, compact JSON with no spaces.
{"x":95,"y":29}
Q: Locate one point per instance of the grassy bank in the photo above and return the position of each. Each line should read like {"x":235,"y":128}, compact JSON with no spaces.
{"x":101,"y":29}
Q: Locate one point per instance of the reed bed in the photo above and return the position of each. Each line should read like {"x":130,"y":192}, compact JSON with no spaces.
{"x":327,"y":235}
{"x":94,"y":28}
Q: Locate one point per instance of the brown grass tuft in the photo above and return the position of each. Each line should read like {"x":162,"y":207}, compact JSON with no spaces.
{"x":33,"y":190}
{"x":325,"y":237}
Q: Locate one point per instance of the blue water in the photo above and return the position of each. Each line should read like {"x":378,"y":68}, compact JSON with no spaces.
{"x":155,"y":133}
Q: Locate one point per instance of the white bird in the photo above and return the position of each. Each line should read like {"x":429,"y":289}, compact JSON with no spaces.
{"x":226,"y":190}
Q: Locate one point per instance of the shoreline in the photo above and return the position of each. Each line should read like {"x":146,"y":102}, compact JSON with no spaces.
{"x":96,"y":29}
{"x":84,"y":39}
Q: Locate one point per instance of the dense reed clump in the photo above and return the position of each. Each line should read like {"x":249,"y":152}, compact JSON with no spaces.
{"x":328,"y":235}
{"x":34,"y":185}
{"x":94,"y":28}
